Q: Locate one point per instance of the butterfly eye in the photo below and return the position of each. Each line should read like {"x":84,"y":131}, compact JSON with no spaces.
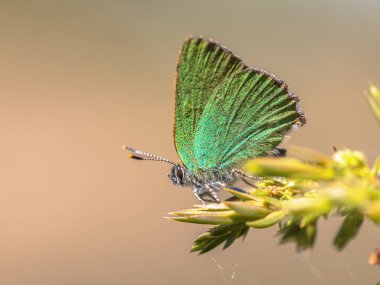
{"x":180,"y":173}
{"x":177,"y":175}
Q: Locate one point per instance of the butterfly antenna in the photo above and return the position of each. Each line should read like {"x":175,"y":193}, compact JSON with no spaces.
{"x":141,"y":155}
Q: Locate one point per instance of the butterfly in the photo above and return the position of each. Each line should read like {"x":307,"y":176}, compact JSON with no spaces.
{"x":225,"y":113}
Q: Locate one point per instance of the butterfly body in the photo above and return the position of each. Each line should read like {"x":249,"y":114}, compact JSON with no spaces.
{"x":204,"y":185}
{"x":225,"y":113}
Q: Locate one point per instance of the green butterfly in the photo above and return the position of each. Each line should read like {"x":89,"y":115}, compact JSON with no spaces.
{"x":225,"y":114}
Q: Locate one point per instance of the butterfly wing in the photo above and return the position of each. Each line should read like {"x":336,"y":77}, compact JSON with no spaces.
{"x":246,"y":116}
{"x":202,"y":66}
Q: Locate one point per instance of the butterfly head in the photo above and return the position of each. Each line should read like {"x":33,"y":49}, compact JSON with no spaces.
{"x":178,"y":175}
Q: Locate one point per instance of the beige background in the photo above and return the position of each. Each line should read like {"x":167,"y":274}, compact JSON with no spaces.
{"x":78,"y":79}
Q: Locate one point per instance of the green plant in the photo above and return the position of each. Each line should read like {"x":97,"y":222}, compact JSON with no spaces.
{"x":294,"y":193}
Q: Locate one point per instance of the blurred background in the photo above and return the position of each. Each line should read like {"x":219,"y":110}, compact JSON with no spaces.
{"x":78,"y":79}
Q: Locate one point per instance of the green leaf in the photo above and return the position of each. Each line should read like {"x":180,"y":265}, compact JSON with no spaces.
{"x":270,"y":220}
{"x":249,"y":209}
{"x":372,"y":210}
{"x":306,"y":206}
{"x":287,"y":167}
{"x":317,"y":186}
{"x":303,"y":237}
{"x":351,"y":160}
{"x":374,"y":101}
{"x":212,"y":218}
{"x":231,"y":238}
{"x":348,"y":230}
{"x":217,"y":235}
{"x":241,"y":195}
{"x":376,"y":168}
{"x":309,"y":219}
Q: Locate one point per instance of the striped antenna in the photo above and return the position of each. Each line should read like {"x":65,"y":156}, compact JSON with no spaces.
{"x":141,"y":155}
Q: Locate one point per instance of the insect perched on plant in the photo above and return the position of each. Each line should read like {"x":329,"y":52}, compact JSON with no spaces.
{"x":225,"y":113}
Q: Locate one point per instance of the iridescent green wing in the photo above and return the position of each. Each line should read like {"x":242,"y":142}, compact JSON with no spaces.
{"x":202,"y":66}
{"x":246,"y":116}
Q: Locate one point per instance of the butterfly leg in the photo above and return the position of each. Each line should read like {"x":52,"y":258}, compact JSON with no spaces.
{"x":206,"y":193}
{"x":240,"y":174}
{"x":212,"y":194}
{"x":198,"y":195}
{"x":249,"y":183}
{"x":243,"y":177}
{"x":213,"y":188}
